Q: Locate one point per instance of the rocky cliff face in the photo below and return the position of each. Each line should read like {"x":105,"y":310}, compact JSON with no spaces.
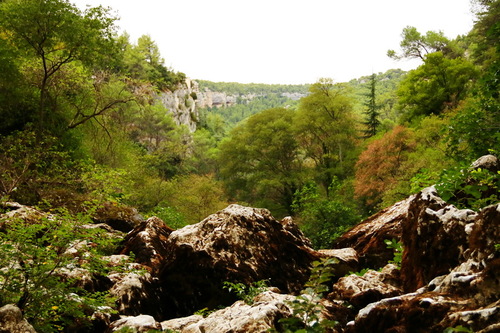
{"x":449,"y":275}
{"x":185,"y":102}
{"x":181,"y":103}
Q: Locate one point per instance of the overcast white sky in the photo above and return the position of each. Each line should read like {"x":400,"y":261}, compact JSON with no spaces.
{"x":283,"y":41}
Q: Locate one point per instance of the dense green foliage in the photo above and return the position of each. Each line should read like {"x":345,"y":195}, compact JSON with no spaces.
{"x":436,"y":86}
{"x":324,"y":218}
{"x":234,"y":88}
{"x":307,"y":308}
{"x":244,"y":292}
{"x":259,"y":160}
{"x":82,"y":122}
{"x":469,"y":188}
{"x":35,"y":255}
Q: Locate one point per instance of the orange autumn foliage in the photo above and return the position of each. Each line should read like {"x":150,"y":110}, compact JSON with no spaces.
{"x":380,"y":165}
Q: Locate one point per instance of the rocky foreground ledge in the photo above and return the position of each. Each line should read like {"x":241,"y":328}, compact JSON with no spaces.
{"x":449,"y":275}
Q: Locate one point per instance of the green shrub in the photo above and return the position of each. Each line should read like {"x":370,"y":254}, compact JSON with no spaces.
{"x":458,"y":329}
{"x":170,"y":216}
{"x":34,"y":254}
{"x":323,"y":219}
{"x":244,"y":292}
{"x":469,"y":188}
{"x":398,"y":251}
{"x":35,"y":168}
{"x":307,"y":307}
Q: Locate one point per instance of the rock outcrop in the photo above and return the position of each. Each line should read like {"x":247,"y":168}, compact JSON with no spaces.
{"x":148,"y":243}
{"x":181,"y":104}
{"x":240,"y":317}
{"x":368,"y":237}
{"x":435,"y":238}
{"x":141,"y":323}
{"x":449,"y":275}
{"x":12,"y":321}
{"x":450,"y":272}
{"x":185,"y":102}
{"x":237,"y":244}
{"x":373,"y":286}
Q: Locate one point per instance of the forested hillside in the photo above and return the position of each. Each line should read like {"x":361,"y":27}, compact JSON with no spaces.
{"x":244,"y":100}
{"x":81,"y":122}
{"x":82,"y":128}
{"x":240,"y":101}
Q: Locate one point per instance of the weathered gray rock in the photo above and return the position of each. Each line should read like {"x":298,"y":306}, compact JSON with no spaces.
{"x":373,"y":286}
{"x":412,"y":312}
{"x":484,"y":319}
{"x":485,"y":234}
{"x":136,"y":294}
{"x":347,"y":260}
{"x":180,"y":324}
{"x":16,"y":211}
{"x":181,"y":103}
{"x":237,"y":244}
{"x":12,"y":321}
{"x":259,"y":317}
{"x":141,"y":323}
{"x":488,"y":162}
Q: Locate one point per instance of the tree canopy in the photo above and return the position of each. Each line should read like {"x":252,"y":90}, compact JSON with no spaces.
{"x":259,"y":160}
{"x":416,"y":45}
{"x":326,"y":129}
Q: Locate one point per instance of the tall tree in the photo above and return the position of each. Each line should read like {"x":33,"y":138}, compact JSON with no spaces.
{"x":326,"y":129}
{"x":379,"y":166}
{"x":439,"y":84}
{"x":372,"y":109}
{"x":416,"y":45}
{"x":476,"y":127}
{"x":53,"y":34}
{"x":259,"y":160}
{"x":143,"y":62}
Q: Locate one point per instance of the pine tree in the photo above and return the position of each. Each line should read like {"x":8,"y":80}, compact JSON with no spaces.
{"x":372,"y":113}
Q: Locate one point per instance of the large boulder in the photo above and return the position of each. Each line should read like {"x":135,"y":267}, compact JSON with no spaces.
{"x":237,"y":244}
{"x":435,"y":236}
{"x":360,"y":290}
{"x":240,"y":317}
{"x":368,"y":237}
{"x":450,"y":272}
{"x":119,"y":217}
{"x":12,"y":321}
{"x":147,"y":242}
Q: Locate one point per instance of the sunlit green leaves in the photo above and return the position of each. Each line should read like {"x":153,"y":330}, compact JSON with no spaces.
{"x":437,"y":85}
